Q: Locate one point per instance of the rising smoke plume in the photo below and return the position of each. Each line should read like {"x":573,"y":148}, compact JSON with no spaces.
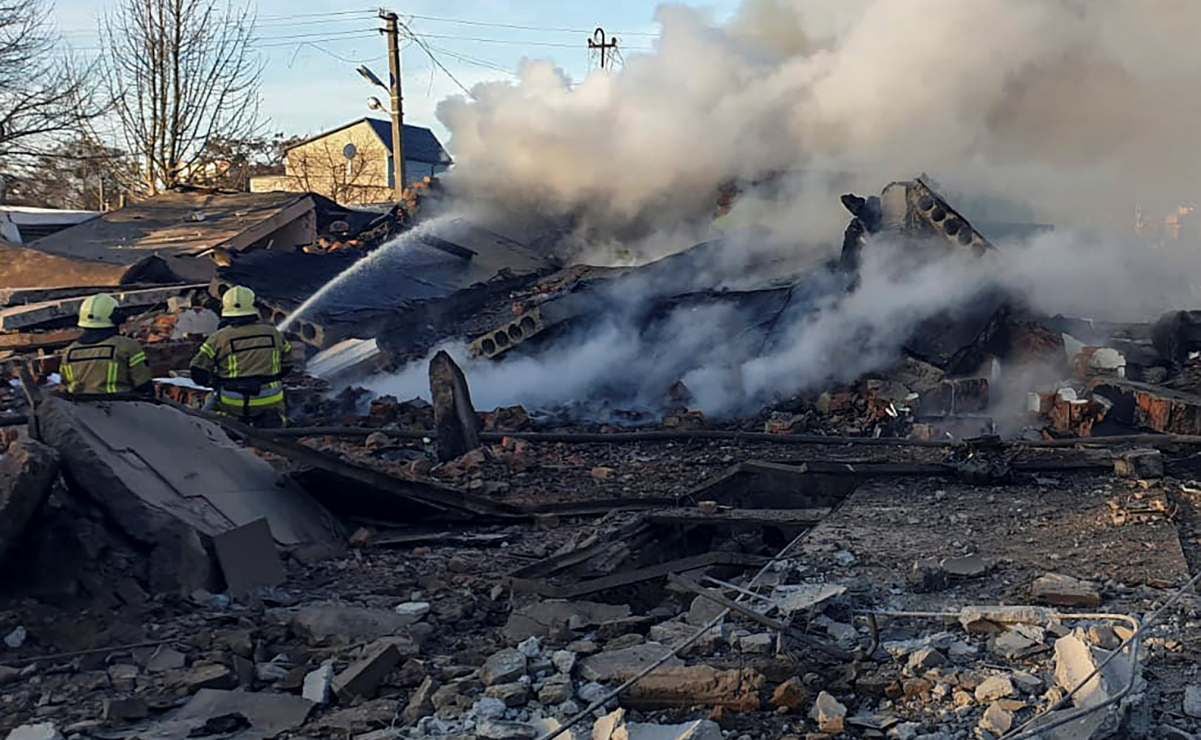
{"x":1074,"y":112}
{"x":1079,"y":108}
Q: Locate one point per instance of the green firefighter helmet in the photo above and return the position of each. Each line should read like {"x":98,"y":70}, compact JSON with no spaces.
{"x":96,"y":312}
{"x":238,"y":301}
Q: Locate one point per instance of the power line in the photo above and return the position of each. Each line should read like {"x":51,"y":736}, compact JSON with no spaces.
{"x":484,"y":63}
{"x":227,"y":22}
{"x":515,"y":42}
{"x":490,"y":24}
{"x":371,"y":11}
{"x":421,"y":42}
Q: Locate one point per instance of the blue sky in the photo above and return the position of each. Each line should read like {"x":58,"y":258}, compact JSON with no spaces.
{"x":311,"y":48}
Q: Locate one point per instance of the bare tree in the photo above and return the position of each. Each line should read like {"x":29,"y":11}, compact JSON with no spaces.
{"x":182,"y":74}
{"x":324,"y":169}
{"x":43,"y":98}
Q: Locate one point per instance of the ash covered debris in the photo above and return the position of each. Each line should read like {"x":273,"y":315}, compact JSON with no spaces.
{"x":745,"y":477}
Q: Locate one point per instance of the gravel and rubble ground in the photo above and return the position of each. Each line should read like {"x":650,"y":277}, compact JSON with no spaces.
{"x":423,"y":641}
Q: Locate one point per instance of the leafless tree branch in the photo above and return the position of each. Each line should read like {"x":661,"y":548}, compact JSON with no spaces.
{"x":182,"y":75}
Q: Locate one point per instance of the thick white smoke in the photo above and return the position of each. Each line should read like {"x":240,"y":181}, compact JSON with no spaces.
{"x":1080,"y":108}
{"x":1077,"y":112}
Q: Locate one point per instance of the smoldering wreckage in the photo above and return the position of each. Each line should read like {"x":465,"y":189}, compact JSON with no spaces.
{"x":875,"y":555}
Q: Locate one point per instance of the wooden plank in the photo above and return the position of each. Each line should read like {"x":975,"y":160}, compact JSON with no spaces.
{"x":638,"y":575}
{"x":741,"y":517}
{"x":20,"y":317}
{"x":30,"y":342}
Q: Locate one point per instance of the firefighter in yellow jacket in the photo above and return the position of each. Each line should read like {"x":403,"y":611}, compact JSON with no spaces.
{"x":244,"y":362}
{"x":102,"y":364}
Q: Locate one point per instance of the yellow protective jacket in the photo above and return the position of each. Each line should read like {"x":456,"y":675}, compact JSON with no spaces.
{"x":245,"y":362}
{"x":110,"y":366}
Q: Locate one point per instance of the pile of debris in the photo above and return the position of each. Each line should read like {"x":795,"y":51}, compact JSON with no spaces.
{"x":869,"y":560}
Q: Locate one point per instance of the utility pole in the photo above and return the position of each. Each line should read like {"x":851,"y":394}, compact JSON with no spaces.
{"x":391,"y":28}
{"x":598,"y":42}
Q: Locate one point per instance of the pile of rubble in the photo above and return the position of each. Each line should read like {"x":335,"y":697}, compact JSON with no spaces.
{"x":870,"y":560}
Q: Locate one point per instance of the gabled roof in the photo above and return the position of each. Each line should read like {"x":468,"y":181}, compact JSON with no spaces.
{"x":420,"y":144}
{"x":178,"y":226}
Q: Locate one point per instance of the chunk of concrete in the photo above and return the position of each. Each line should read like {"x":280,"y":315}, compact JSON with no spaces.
{"x":456,"y":424}
{"x":165,"y":658}
{"x":421,"y":703}
{"x":319,"y":684}
{"x":1140,"y":463}
{"x":414,"y":611}
{"x":614,"y":726}
{"x":556,"y":690}
{"x":995,"y":687}
{"x":1074,"y":660}
{"x":124,"y":709}
{"x":249,"y":558}
{"x":172,"y":482}
{"x":40,"y":731}
{"x":686,"y":686}
{"x":269,"y":714}
{"x":996,"y":719}
{"x":27,"y":471}
{"x":702,"y":611}
{"x":542,"y":617}
{"x":505,"y":666}
{"x":992,"y":619}
{"x":1192,"y":701}
{"x":495,"y":729}
{"x":616,"y":666}
{"x":209,"y":676}
{"x":515,"y":694}
{"x":564,"y":661}
{"x":829,"y":714}
{"x":790,"y":696}
{"x":363,"y":677}
{"x":1060,"y":590}
{"x":924,"y":659}
{"x":352,"y":623}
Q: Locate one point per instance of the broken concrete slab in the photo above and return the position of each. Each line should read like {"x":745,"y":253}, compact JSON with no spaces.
{"x":540,"y":618}
{"x":1192,"y":701}
{"x":992,"y":619}
{"x":172,"y":481}
{"x":269,"y":714}
{"x":40,"y":731}
{"x":362,"y":678}
{"x":614,"y":726}
{"x":249,"y":558}
{"x":503,"y":667}
{"x":27,"y":470}
{"x":615,"y":666}
{"x":686,"y":686}
{"x":322,"y":621}
{"x":456,"y":423}
{"x":1074,"y":661}
{"x":1060,"y":590}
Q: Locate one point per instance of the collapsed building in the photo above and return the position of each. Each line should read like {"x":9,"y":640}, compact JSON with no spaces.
{"x":935,"y":547}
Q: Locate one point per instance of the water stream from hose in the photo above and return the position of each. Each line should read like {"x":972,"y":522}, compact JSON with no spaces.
{"x":377,"y":260}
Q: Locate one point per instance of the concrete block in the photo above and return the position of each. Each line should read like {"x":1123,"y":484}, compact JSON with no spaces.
{"x":363,"y":677}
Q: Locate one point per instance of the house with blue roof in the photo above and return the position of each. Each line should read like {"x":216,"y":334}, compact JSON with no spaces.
{"x":352,"y":164}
